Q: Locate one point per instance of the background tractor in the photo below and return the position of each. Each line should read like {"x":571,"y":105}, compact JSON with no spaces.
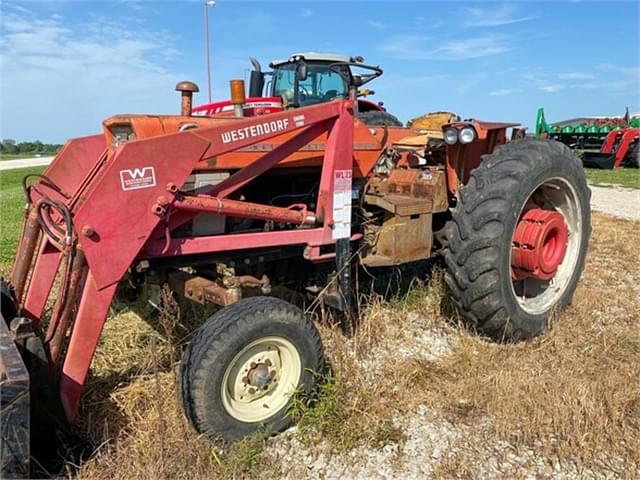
{"x":225,"y":208}
{"x":308,"y":79}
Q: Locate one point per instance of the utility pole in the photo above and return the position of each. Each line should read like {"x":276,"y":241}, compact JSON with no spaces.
{"x":206,"y":5}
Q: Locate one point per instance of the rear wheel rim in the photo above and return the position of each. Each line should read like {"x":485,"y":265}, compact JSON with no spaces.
{"x":261,"y":379}
{"x":536,"y":296}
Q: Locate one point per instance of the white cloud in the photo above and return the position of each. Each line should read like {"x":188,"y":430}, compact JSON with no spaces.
{"x":305,"y":12}
{"x":619,"y":70}
{"x":504,"y":91}
{"x":551,"y":88}
{"x":419,"y":47}
{"x":376,"y":24}
{"x":505,"y":14}
{"x":576,"y":76}
{"x":85,"y":71}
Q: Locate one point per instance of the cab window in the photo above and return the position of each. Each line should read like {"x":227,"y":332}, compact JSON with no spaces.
{"x":321,"y":84}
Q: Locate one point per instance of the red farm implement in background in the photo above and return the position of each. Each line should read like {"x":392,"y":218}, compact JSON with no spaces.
{"x":220,"y":206}
{"x":620,"y":148}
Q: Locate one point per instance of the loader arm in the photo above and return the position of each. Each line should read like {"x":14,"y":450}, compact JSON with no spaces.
{"x":98,"y":207}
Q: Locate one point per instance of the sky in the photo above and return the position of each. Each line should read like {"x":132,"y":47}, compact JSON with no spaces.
{"x":67,"y":65}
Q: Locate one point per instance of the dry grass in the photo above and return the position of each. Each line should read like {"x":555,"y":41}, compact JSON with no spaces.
{"x":570,"y":397}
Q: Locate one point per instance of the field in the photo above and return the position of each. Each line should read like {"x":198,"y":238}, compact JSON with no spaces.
{"x":411,"y":392}
{"x":625,"y":177}
{"x":11,"y":208}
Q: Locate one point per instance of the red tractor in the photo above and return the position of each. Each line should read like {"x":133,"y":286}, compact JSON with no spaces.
{"x":621,"y":148}
{"x":223,"y":208}
{"x":305,"y":79}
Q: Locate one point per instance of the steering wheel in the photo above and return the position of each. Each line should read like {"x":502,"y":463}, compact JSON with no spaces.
{"x":304,"y":91}
{"x":330,"y":94}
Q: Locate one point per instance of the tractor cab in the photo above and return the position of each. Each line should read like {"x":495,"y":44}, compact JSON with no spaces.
{"x":318,"y":83}
{"x":311,"y":78}
{"x":305,"y":79}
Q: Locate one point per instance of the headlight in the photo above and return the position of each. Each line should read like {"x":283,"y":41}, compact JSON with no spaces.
{"x":450,"y":136}
{"x":467,"y":135}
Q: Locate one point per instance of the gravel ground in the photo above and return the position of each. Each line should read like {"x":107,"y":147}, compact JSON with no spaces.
{"x":616,"y":201}
{"x":429,"y":439}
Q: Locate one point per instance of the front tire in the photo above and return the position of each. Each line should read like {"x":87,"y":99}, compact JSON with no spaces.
{"x":243,"y":366}
{"x":487,"y":291}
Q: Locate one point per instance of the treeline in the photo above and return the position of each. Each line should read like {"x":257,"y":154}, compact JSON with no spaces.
{"x":10,"y":146}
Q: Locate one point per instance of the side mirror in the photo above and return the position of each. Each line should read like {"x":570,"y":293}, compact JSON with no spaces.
{"x":301,"y":71}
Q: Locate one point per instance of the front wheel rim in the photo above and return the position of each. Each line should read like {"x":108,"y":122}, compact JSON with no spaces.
{"x":261,"y":379}
{"x":536,"y":296}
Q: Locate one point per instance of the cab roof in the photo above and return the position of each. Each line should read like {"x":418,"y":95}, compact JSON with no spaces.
{"x":316,"y":57}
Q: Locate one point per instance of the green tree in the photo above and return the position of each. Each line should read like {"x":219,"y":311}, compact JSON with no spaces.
{"x":9,"y":146}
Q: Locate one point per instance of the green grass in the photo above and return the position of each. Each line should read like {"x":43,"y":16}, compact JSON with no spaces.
{"x":11,"y":211}
{"x":626,"y":177}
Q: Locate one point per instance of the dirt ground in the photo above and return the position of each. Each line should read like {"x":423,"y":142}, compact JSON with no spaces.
{"x":412,"y":394}
{"x":616,"y":201}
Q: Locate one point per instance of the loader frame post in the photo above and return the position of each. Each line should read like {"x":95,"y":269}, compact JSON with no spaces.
{"x":42,"y":278}
{"x":343,"y":274}
{"x":90,"y":320}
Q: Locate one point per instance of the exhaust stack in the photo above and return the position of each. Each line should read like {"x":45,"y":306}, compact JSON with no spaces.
{"x":187,"y":89}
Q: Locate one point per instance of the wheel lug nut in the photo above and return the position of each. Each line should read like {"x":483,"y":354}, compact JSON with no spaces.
{"x":267,"y":362}
{"x":252,"y":391}
{"x":253,"y":365}
{"x":245,"y":380}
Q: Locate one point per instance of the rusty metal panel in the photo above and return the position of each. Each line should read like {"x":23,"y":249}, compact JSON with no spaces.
{"x":401,"y":204}
{"x":410,"y":191}
{"x":14,"y":408}
{"x":401,"y":239}
{"x":202,"y":290}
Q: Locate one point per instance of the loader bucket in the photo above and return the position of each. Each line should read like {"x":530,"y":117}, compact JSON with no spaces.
{"x":14,"y":408}
{"x":600,"y":160}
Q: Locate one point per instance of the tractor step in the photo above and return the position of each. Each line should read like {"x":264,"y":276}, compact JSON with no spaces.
{"x":605,"y":161}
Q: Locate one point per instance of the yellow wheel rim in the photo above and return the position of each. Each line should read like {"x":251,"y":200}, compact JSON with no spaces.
{"x":261,"y":379}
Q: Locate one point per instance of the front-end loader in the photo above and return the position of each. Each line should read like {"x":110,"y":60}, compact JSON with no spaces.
{"x":621,"y":148}
{"x":223,"y":208}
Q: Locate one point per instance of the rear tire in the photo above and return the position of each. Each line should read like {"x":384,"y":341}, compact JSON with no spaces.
{"x":632,"y":159}
{"x":244,"y":364}
{"x":478,"y":255}
{"x":379,"y":118}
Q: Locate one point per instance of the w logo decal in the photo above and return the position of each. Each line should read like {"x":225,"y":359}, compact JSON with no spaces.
{"x":136,"y":178}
